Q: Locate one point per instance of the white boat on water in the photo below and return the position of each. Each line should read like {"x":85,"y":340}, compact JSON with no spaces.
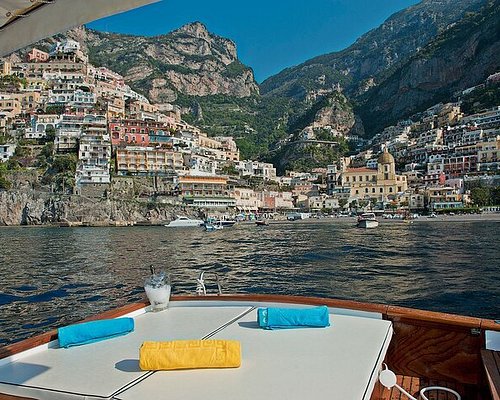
{"x":367,"y":220}
{"x":184,"y":222}
{"x":209,"y":227}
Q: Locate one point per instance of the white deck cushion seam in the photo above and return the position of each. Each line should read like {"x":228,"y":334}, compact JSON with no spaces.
{"x":86,"y":395}
{"x":209,"y":335}
{"x":222,"y":327}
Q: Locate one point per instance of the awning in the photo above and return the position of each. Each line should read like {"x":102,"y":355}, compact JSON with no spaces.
{"x":23,"y":22}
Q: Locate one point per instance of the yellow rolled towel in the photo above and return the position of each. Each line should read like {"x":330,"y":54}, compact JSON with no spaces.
{"x":190,"y":354}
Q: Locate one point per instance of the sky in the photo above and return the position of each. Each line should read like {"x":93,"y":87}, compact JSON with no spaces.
{"x":269,"y":35}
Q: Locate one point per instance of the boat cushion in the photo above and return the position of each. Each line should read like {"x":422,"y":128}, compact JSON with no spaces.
{"x":190,"y":354}
{"x":98,"y":370}
{"x":94,"y":331}
{"x":283,"y":318}
{"x":339,"y":362}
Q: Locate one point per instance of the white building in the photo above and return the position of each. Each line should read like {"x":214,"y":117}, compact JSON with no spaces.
{"x":323,"y":201}
{"x":68,"y":133}
{"x":488,"y":118}
{"x":94,"y":155}
{"x":40,"y":124}
{"x":257,"y":169}
{"x":200,"y":163}
{"x":6,"y":151}
{"x":247,"y":200}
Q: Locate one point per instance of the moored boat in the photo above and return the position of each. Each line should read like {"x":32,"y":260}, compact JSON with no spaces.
{"x":367,"y":221}
{"x":213,"y":227}
{"x":184,"y":222}
{"x":225,"y":222}
{"x":342,"y":360}
{"x":262,"y":222}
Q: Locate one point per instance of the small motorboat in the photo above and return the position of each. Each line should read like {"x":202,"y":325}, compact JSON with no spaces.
{"x":367,"y":221}
{"x":184,"y":222}
{"x":224,"y":222}
{"x":262,"y":222}
{"x":209,"y":227}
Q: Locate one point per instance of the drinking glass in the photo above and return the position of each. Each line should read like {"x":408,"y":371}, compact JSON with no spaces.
{"x":158,"y":287}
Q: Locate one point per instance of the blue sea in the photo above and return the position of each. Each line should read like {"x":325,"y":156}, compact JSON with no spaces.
{"x":53,"y":276}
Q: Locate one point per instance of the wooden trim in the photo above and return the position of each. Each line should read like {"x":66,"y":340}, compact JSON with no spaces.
{"x":395,"y":313}
{"x":491,"y":363}
{"x":490,"y":325}
{"x":313,"y":301}
{"x":11,"y":397}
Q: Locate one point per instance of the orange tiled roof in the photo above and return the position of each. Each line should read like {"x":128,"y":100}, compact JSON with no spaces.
{"x":361,"y":169}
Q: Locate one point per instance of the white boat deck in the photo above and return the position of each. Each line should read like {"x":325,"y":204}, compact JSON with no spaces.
{"x":338,"y":362}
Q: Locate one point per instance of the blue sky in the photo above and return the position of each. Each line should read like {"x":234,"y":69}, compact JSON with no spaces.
{"x":270,"y":35}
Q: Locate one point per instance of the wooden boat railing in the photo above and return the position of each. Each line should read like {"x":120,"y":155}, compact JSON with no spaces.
{"x":426,"y":345}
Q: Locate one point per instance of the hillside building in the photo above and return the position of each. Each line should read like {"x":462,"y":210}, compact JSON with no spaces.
{"x":382,"y":184}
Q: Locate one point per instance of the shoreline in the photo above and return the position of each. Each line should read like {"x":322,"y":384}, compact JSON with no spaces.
{"x":491,"y":216}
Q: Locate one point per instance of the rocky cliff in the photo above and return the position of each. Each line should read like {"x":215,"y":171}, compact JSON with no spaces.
{"x":28,"y":203}
{"x":357,"y":67}
{"x":460,"y":57}
{"x":190,"y":61}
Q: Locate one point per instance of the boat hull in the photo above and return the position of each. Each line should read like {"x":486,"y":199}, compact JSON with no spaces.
{"x":192,"y":223}
{"x":367,"y":224}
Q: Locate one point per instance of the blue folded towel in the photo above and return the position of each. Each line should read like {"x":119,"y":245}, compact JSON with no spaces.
{"x":286,"y":318}
{"x":94,"y":331}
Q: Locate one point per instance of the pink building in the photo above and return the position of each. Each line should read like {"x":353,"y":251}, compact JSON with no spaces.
{"x":132,"y":131}
{"x":36,"y":55}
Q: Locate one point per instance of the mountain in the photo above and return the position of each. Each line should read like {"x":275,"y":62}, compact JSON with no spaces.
{"x":356,"y":67}
{"x":189,"y":61}
{"x":412,"y":59}
{"x":460,"y":57}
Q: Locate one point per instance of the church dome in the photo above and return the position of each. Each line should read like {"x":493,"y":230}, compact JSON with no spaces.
{"x":385,"y":158}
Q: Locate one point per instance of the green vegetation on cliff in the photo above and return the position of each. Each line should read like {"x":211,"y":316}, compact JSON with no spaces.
{"x":481,"y":99}
{"x":256,"y":123}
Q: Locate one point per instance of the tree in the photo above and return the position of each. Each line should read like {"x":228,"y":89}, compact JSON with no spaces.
{"x":50,"y":134}
{"x":480,"y":196}
{"x":495,"y":195}
{"x":230,"y":169}
{"x":5,"y":183}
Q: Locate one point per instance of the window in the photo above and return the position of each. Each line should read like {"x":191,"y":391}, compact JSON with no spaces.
{"x":390,"y":190}
{"x":373,"y":190}
{"x":381,"y":190}
{"x":386,"y":176}
{"x":366,"y":190}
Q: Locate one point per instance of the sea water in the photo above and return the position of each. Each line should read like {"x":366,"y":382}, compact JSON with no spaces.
{"x":51,"y":277}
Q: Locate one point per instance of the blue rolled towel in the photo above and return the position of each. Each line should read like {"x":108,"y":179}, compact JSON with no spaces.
{"x":286,"y":318}
{"x":94,"y":331}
